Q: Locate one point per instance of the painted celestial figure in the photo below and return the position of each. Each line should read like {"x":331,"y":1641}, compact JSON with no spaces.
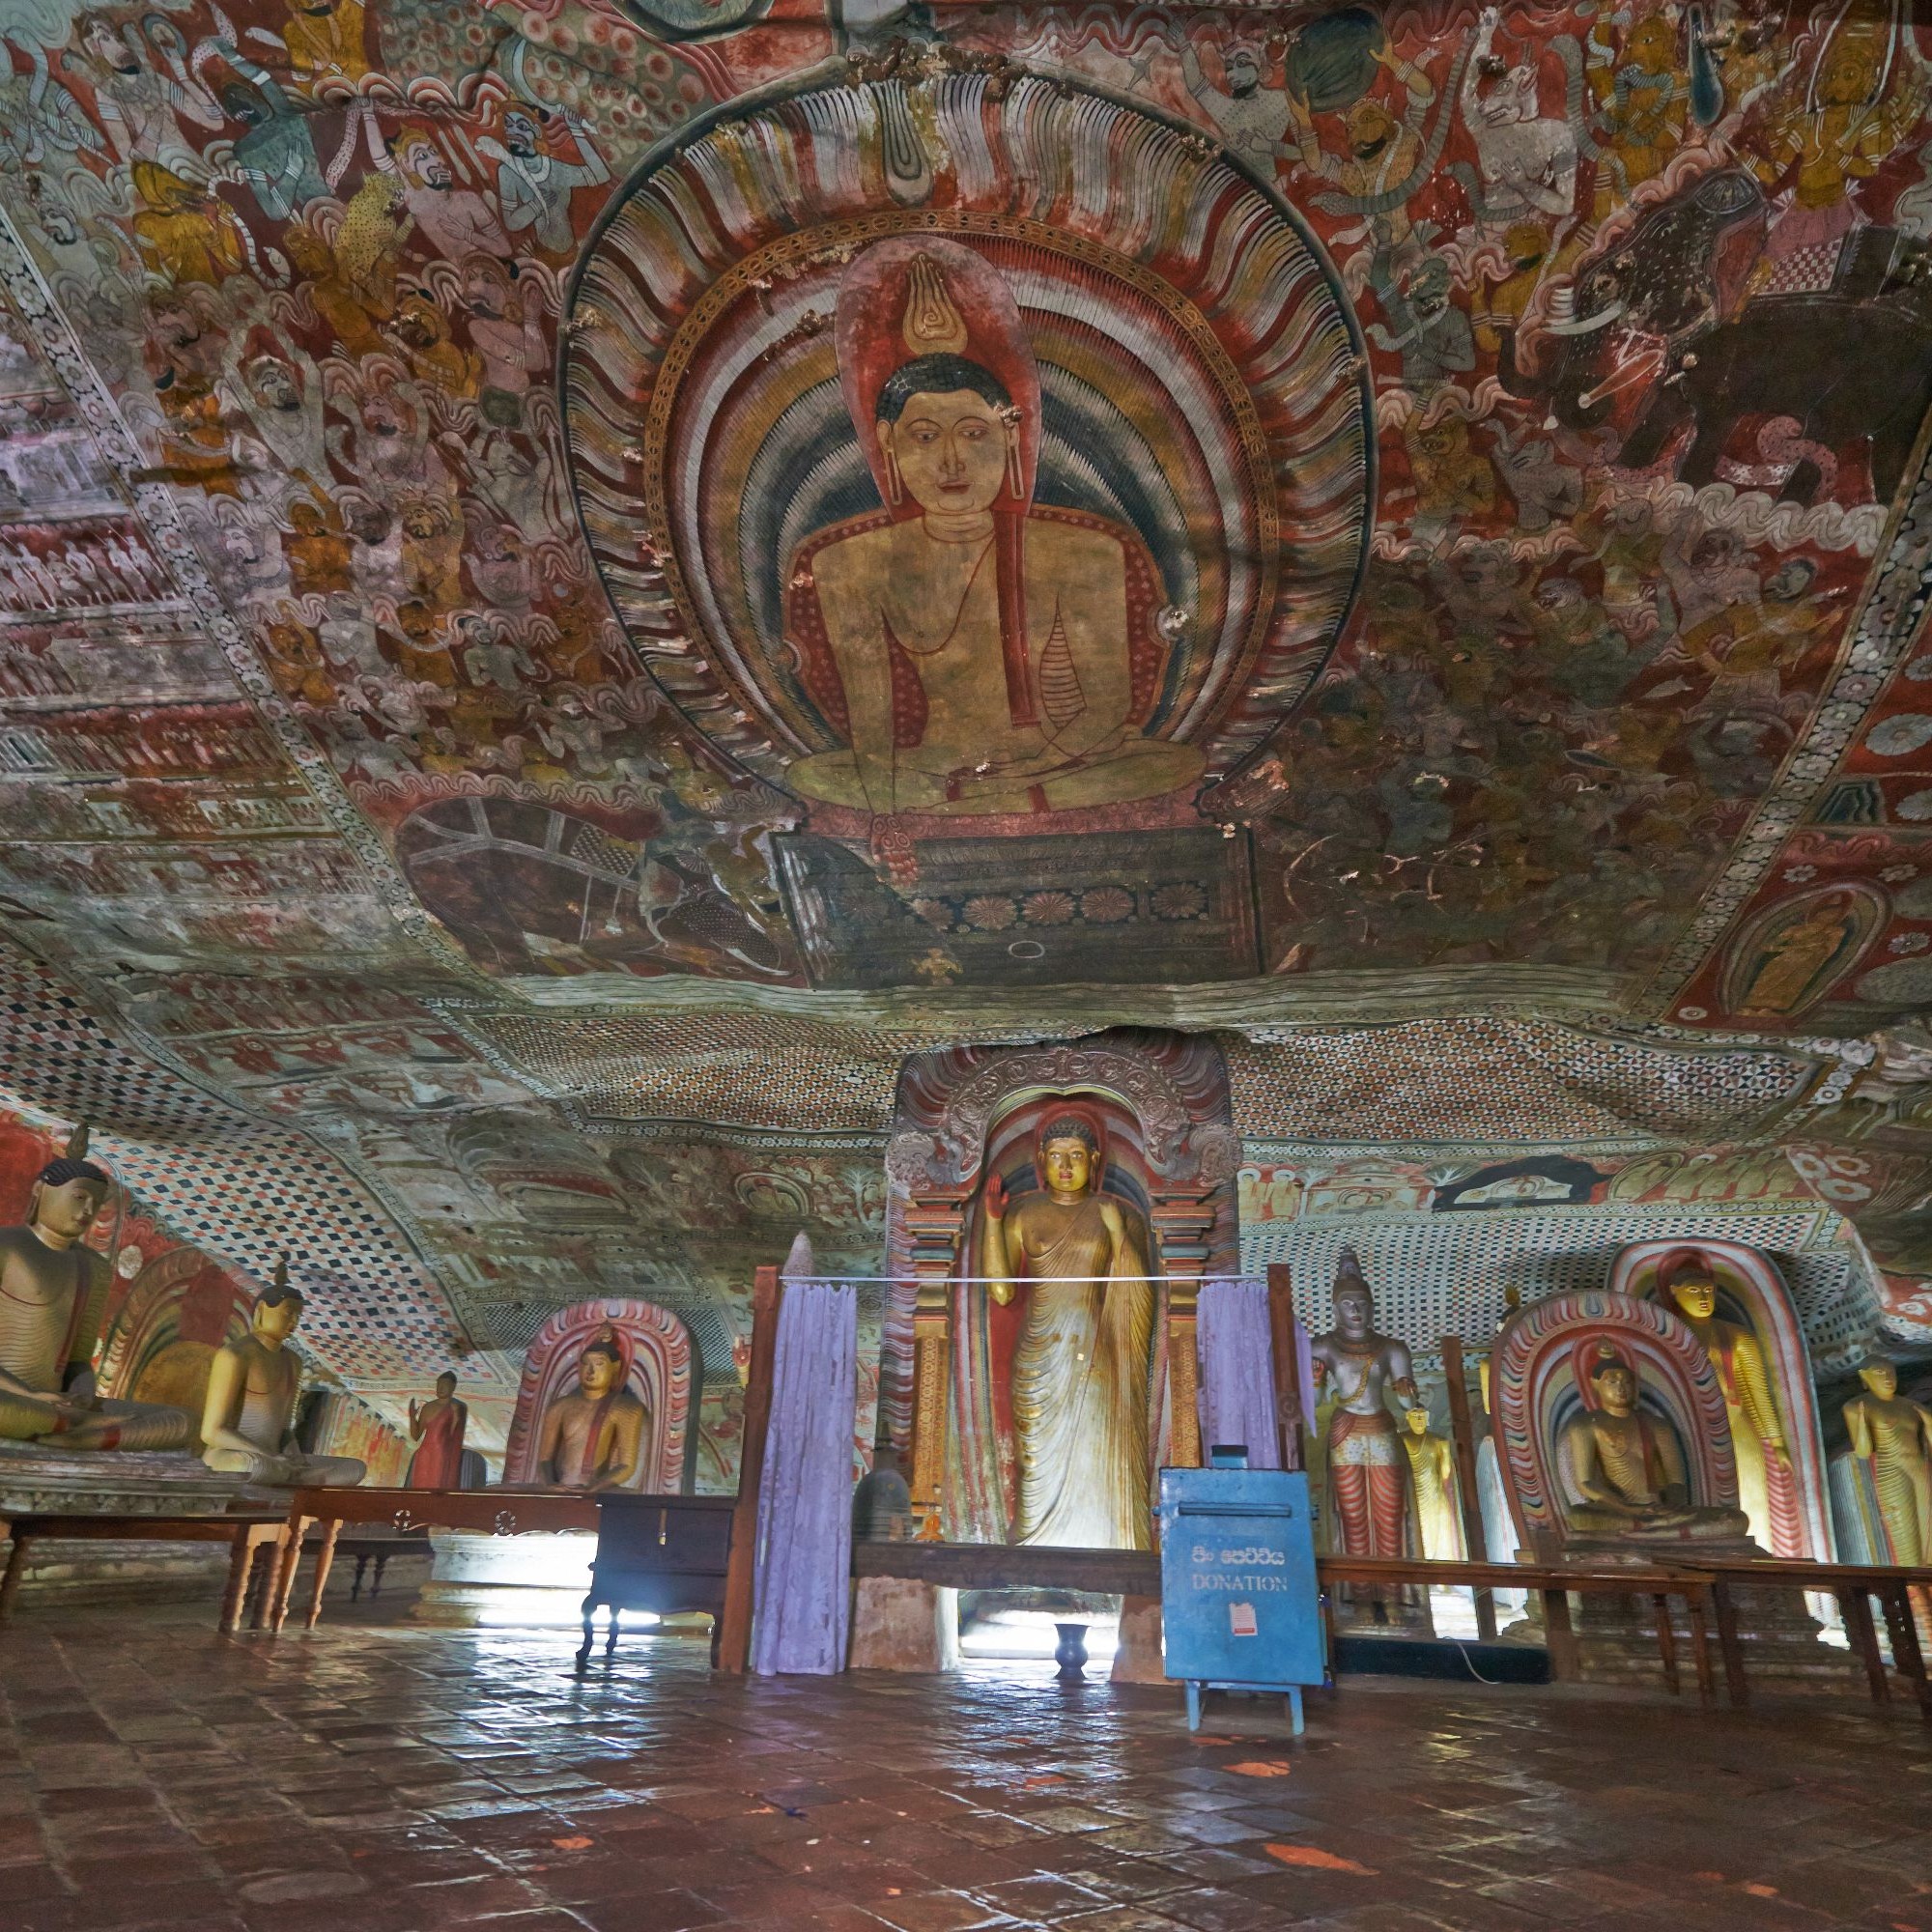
{"x":53,"y":1290}
{"x":247,"y":1420}
{"x":979,"y":651}
{"x":592,"y":1437}
{"x":1080,"y":1370}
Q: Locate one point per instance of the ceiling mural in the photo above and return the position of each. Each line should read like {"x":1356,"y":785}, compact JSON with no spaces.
{"x":579,"y":579}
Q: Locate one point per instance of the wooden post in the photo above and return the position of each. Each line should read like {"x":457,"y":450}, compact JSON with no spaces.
{"x":1462,"y":1431}
{"x":734,"y":1640}
{"x":1288,"y":1414}
{"x":932,"y":1372}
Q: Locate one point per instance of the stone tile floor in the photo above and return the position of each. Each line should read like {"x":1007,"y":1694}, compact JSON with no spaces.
{"x":369,"y":1778}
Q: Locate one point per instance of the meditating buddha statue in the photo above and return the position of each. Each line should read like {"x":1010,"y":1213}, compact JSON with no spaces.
{"x":1893,"y":1438}
{"x":593,"y":1437}
{"x":1766,"y":1489}
{"x":1081,"y":1367}
{"x":53,"y":1289}
{"x":252,"y":1386}
{"x":1623,"y":1472}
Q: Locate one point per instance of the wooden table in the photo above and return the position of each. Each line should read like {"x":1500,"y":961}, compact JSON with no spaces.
{"x":1553,"y":1585}
{"x":492,"y":1512}
{"x":1854,"y":1584}
{"x":244,"y":1532}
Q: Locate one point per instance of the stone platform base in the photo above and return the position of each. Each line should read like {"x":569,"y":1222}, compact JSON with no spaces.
{"x":36,"y":1481}
{"x":899,"y":1624}
{"x":504,"y":1579}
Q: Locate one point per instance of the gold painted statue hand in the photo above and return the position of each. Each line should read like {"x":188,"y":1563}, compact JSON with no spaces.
{"x":995,"y":1198}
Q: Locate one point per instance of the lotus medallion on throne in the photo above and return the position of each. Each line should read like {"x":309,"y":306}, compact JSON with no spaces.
{"x":977,"y":651}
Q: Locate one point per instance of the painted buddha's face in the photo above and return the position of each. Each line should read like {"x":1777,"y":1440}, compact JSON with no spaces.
{"x":950,"y":451}
{"x":1069,"y":1164}
{"x":597,"y":1372}
{"x":71,"y":1209}
{"x":1698,"y":1299}
{"x":1881,"y":1378}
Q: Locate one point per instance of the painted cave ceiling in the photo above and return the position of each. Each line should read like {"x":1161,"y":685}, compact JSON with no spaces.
{"x":577,"y":579}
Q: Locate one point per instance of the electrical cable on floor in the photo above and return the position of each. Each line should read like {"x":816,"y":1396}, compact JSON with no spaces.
{"x":1464,"y":1649}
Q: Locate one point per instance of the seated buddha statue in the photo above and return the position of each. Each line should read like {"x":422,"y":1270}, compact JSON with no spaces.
{"x":53,"y":1289}
{"x":593,"y":1437}
{"x":1622,"y":1472}
{"x":252,"y":1386}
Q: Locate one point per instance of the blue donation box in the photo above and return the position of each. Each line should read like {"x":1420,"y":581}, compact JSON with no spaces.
{"x":1238,"y":1596}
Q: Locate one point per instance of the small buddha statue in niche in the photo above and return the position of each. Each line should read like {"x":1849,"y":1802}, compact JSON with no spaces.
{"x":252,"y":1385}
{"x":593,"y":1437}
{"x":1432,"y":1462}
{"x":1766,"y":1489}
{"x":1623,"y":1472}
{"x":53,"y":1290}
{"x":1893,"y":1438}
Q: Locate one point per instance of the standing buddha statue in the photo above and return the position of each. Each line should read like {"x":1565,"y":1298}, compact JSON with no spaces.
{"x":1892,"y":1436}
{"x":1080,"y":1368}
{"x":1767,"y":1491}
{"x":1432,"y":1463}
{"x":53,"y":1290}
{"x":436,"y":1427}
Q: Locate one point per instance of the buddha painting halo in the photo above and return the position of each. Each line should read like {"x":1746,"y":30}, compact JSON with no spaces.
{"x":883,"y":421}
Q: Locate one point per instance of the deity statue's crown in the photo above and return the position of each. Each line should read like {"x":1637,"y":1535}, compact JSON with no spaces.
{"x":1348,"y":1272}
{"x":278,"y":1290}
{"x":74,"y":1163}
{"x":932,"y":325}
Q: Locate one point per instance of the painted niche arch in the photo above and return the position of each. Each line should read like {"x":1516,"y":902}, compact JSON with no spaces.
{"x":1534,"y":1383}
{"x":161,"y":1341}
{"x":662,"y":1375}
{"x":1752,"y":1283}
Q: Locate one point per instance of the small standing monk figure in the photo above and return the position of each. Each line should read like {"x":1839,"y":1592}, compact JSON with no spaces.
{"x":53,"y":1289}
{"x":252,"y":1385}
{"x":436,"y":1429}
{"x":1369,"y":1481}
{"x":1438,"y":1514}
{"x":593,"y":1437}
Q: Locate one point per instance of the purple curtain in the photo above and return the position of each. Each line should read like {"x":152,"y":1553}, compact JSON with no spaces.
{"x":805,"y":1506}
{"x":1237,"y":1371}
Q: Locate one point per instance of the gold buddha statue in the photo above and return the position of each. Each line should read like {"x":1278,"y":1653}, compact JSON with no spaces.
{"x":1432,"y":1463}
{"x":593,"y":1437}
{"x":53,"y":1290}
{"x":1622,"y":1472}
{"x":252,"y":1386}
{"x":1766,"y":1488}
{"x":1892,"y":1436}
{"x":1081,"y":1367}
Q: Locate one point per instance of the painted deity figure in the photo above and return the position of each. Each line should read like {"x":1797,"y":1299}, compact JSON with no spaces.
{"x":1431,"y":1463}
{"x":247,"y":1419}
{"x":1767,"y":1491}
{"x":1081,"y":1367}
{"x":592,"y":1437}
{"x":1622,"y":1472}
{"x":1368,"y":1470}
{"x":1892,"y":1436}
{"x":975,"y":651}
{"x":436,"y":1429}
{"x":53,"y":1290}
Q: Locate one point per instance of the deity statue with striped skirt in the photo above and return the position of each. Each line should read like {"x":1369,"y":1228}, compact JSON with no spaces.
{"x":1371,"y":1504}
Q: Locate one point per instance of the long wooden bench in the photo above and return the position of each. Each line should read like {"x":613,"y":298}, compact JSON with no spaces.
{"x":244,"y":1533}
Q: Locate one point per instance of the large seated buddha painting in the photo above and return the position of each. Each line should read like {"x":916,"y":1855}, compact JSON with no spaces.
{"x":966,"y":485}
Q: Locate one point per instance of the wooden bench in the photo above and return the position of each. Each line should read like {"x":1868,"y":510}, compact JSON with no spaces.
{"x":246,"y":1534}
{"x":1854,"y":1585}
